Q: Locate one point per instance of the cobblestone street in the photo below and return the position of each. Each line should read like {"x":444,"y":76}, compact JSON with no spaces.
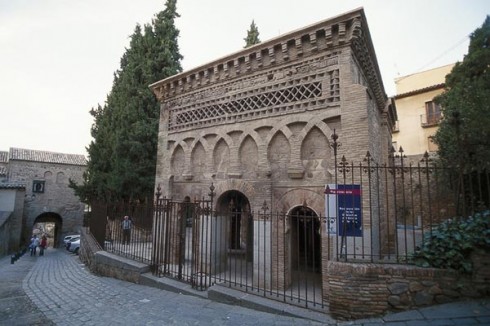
{"x":57,"y":289}
{"x":16,"y":308}
{"x":64,"y":292}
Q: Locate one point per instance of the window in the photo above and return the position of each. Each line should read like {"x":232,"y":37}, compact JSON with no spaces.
{"x":432,"y":113}
{"x":431,"y":145}
{"x":396,"y":126}
{"x":38,"y":186}
{"x":395,"y":145}
{"x":60,"y":177}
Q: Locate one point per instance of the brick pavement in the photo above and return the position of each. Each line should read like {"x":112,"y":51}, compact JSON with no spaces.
{"x":15,"y":306}
{"x":57,"y":289}
{"x":67,"y":293}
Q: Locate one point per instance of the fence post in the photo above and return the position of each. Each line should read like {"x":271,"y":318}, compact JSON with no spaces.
{"x":335,"y":145}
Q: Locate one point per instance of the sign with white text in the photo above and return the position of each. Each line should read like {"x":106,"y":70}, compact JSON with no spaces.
{"x":343,"y":209}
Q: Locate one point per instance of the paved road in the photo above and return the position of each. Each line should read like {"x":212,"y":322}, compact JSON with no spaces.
{"x":63,"y":292}
{"x":15,"y":306}
{"x":57,"y":289}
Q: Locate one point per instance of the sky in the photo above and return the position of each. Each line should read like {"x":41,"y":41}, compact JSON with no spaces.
{"x":58,"y":57}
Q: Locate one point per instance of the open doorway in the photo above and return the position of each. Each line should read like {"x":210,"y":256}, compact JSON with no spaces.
{"x":305,"y":239}
{"x":50,"y":225}
{"x":236,"y":206}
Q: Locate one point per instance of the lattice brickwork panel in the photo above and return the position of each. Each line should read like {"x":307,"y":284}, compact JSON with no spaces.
{"x":244,"y":105}
{"x":252,"y":103}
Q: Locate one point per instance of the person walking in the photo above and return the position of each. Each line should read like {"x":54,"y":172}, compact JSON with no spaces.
{"x":43,"y":245}
{"x":126,"y":227}
{"x":34,"y":244}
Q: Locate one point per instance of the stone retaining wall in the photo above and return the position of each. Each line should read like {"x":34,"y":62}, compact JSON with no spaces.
{"x":106,"y":264}
{"x":88,"y":247}
{"x":354,"y":290}
{"x":366,"y":290}
{"x":111,"y":265}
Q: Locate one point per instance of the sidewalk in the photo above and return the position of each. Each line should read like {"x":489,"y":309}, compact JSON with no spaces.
{"x":57,"y":289}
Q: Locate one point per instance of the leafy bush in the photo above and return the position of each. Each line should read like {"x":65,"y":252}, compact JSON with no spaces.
{"x":452,"y":242}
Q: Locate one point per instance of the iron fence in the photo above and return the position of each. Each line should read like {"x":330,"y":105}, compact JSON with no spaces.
{"x":398,"y":204}
{"x":373,"y":213}
{"x":240,"y":249}
{"x":105,"y":224}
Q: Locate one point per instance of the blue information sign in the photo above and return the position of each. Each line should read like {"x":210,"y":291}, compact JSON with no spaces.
{"x":344,"y":205}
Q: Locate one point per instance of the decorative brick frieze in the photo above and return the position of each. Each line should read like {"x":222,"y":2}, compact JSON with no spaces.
{"x":273,"y":92}
{"x":348,"y":28}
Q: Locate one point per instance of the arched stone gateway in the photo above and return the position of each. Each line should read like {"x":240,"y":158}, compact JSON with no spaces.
{"x":51,"y":225}
{"x":46,"y":198}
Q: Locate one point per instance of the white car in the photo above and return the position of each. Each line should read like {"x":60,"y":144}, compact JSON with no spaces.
{"x":70,"y":237}
{"x":74,"y":246}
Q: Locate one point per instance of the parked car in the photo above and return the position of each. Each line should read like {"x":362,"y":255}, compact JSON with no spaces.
{"x":74,"y":246}
{"x":69,"y":242}
{"x":69,"y":237}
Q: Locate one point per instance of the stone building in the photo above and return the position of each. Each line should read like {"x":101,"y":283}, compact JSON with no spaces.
{"x":34,"y":189}
{"x":258,"y":125}
{"x":260,"y":120}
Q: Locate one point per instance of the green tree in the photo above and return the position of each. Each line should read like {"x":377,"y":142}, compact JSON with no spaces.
{"x":252,"y":36}
{"x":464,"y":134}
{"x":122,"y":154}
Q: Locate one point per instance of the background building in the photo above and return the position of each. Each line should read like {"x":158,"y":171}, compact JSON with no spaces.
{"x":35,"y":196}
{"x":418,"y":114}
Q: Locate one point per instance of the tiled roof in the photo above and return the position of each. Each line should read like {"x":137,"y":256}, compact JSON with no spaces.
{"x":419,"y":91}
{"x":12,"y":185}
{"x":4,"y":157}
{"x":44,"y":156}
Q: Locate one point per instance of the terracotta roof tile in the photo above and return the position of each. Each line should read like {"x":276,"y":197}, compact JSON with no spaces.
{"x":12,"y":185}
{"x":44,"y":156}
{"x":419,"y":91}
{"x":4,"y":157}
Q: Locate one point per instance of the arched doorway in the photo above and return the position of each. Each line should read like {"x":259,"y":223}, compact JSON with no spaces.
{"x":49,"y":224}
{"x":236,"y":207}
{"x":305,"y":239}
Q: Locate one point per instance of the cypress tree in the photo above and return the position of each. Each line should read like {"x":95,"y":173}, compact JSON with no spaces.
{"x":122,"y":154}
{"x":252,"y":36}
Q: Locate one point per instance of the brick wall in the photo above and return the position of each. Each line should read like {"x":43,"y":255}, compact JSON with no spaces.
{"x":366,"y":290}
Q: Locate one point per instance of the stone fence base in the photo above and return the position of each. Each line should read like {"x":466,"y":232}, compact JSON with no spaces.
{"x":367,"y":290}
{"x":103,"y":263}
{"x":353,"y":290}
{"x":88,"y":248}
{"x":111,"y":265}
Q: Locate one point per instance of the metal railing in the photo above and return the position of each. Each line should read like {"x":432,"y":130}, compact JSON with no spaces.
{"x":105,"y":224}
{"x":242,"y":250}
{"x":373,"y":213}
